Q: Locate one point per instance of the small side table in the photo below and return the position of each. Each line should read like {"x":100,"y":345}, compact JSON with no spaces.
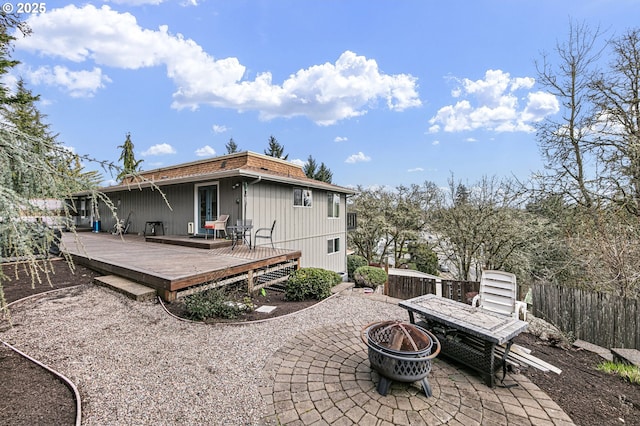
{"x":153,"y":226}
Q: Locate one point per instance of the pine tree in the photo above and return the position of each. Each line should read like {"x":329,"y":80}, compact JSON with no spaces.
{"x":23,"y":115}
{"x":7,"y":24}
{"x":310,"y":168}
{"x":324,"y":174}
{"x":232,"y":147}
{"x":127,"y":156}
{"x":312,"y":171}
{"x":275,"y":149}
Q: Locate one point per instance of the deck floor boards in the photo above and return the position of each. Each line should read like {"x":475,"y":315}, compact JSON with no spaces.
{"x":166,"y":266}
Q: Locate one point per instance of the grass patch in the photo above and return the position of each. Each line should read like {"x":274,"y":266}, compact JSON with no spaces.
{"x":628,"y":372}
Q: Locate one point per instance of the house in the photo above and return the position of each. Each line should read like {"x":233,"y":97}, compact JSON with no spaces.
{"x":310,"y":215}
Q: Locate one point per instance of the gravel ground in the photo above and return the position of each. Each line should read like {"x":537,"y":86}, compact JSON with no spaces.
{"x":134,"y":364}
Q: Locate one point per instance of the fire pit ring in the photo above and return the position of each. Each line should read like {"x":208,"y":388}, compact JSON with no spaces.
{"x":400,"y":352}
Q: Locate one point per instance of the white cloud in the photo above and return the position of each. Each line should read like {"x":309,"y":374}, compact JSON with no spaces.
{"x":539,"y":105}
{"x":357,"y":158}
{"x":416,"y":169}
{"x":219,"y":129}
{"x":298,"y":162}
{"x":471,"y":140}
{"x":436,"y":142}
{"x":492,"y":104}
{"x":341,"y":139}
{"x":159,"y":149}
{"x":205,"y":151}
{"x":324,"y":93}
{"x":78,"y":83}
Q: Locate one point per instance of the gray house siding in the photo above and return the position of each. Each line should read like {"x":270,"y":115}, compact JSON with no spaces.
{"x":301,"y":228}
{"x":307,"y":229}
{"x":148,"y":205}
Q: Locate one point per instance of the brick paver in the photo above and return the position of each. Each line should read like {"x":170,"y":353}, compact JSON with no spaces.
{"x":332,"y":365}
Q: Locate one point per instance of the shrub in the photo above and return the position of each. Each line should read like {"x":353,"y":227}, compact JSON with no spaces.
{"x":212,"y":303}
{"x":311,"y":283}
{"x":354,"y":262}
{"x":369,"y":276}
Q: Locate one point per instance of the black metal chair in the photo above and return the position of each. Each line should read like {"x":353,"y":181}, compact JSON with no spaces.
{"x":268,"y":236}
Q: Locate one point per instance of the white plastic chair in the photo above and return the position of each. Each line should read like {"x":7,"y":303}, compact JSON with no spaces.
{"x":498,"y":293}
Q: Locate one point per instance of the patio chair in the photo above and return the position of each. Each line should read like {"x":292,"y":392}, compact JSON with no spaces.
{"x":267,"y":233}
{"x":498,"y":293}
{"x":219,"y":224}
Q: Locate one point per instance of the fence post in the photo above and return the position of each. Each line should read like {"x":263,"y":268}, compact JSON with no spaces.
{"x":438,"y":287}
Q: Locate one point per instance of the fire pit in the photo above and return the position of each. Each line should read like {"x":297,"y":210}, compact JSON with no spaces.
{"x":400,"y":352}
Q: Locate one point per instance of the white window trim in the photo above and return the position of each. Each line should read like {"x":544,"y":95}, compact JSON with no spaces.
{"x":333,"y":205}
{"x":334,"y":246}
{"x":301,"y":197}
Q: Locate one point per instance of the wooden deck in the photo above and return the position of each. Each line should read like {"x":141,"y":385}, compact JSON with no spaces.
{"x":173,"y":269}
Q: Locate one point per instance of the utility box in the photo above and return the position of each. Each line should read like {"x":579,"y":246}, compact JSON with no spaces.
{"x":191,"y":228}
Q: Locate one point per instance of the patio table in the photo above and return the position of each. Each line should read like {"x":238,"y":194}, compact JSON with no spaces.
{"x":467,"y":334}
{"x":240,"y":231}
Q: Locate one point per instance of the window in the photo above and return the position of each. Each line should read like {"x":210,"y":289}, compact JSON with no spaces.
{"x":302,"y":197}
{"x":333,"y":201}
{"x":333,"y":245}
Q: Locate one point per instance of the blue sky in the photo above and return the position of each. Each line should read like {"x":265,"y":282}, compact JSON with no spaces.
{"x":383,"y":92}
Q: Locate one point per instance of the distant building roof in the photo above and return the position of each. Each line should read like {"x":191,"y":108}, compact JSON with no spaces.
{"x":242,"y":164}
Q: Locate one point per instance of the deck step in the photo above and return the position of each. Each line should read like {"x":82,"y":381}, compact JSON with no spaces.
{"x":129,"y":288}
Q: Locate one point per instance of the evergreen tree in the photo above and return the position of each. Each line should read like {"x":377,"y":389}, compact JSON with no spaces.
{"x":310,"y":168}
{"x":232,"y":147}
{"x":324,"y":174}
{"x":8,"y":22}
{"x":312,"y":171}
{"x":275,"y":149}
{"x":23,"y":115}
{"x":127,"y":156}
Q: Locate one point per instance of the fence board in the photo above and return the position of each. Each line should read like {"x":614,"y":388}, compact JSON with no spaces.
{"x":600,"y":318}
{"x":403,"y":287}
{"x":458,"y":290}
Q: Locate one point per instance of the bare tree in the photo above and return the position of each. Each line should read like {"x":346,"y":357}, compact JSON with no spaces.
{"x":389,"y":220}
{"x":565,"y":143}
{"x":481,"y":227}
{"x":617,"y":96}
{"x":369,"y":204}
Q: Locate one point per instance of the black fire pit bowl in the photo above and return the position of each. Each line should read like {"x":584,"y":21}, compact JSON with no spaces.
{"x":400,"y":352}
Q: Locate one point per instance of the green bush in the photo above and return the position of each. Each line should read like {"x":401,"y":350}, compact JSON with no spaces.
{"x":354,"y":262}
{"x":212,"y":303}
{"x":369,"y":276}
{"x":311,"y":283}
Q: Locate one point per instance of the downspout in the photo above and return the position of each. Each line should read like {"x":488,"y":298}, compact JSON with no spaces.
{"x":245,"y":185}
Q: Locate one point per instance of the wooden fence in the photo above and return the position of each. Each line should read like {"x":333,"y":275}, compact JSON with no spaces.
{"x":600,"y":318}
{"x":403,"y":287}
